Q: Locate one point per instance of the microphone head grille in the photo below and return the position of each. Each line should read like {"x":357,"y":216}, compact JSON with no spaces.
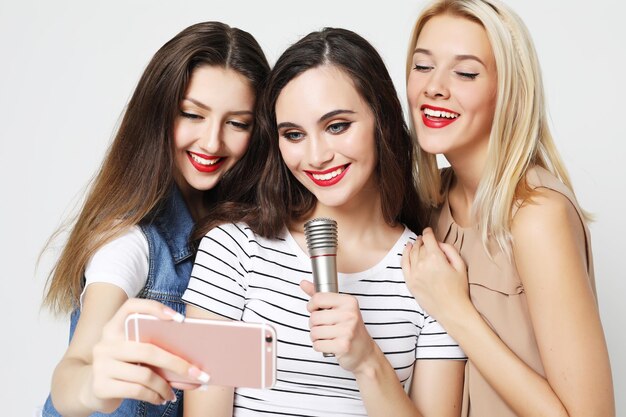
{"x":321,"y":236}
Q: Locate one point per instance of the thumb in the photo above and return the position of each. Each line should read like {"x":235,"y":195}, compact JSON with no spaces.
{"x":307,"y":287}
{"x":453,"y":257}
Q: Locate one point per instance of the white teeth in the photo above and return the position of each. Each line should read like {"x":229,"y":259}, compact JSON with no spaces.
{"x":328,"y":175}
{"x":203,"y":161}
{"x":438,"y":113}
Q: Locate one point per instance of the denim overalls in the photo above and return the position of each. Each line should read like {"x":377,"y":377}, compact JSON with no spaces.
{"x":169,"y":267}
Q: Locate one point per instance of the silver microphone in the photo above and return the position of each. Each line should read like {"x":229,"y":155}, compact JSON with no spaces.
{"x":321,"y":241}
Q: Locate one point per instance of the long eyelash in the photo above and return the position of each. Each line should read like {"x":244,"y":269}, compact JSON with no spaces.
{"x":468,"y":75}
{"x":341,"y":125}
{"x":189,"y":115}
{"x":286,"y":135}
{"x":421,"y":67}
{"x":239,"y":125}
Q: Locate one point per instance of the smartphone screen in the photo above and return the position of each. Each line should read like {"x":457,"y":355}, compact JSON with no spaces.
{"x":233,"y":353}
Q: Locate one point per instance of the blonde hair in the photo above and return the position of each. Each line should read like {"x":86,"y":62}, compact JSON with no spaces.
{"x":520,"y":137}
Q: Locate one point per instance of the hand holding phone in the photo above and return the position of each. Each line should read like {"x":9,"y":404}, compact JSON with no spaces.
{"x":233,"y":353}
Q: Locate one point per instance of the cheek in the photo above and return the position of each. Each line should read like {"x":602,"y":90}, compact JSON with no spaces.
{"x":413,"y":88}
{"x":291,"y":154}
{"x":240,"y":146}
{"x":183,"y":135}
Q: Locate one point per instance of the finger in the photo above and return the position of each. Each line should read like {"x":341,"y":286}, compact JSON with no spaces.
{"x":308,"y":287}
{"x":151,"y":307}
{"x":324,"y":300}
{"x":185,"y":386}
{"x":125,"y":389}
{"x":320,"y":333}
{"x":430,"y":241}
{"x":152,"y":355}
{"x":405,"y":262}
{"x":325,"y":346}
{"x":453,"y":256}
{"x":140,"y":376}
{"x":141,"y":306}
{"x":323,"y":318}
{"x":415,"y":250}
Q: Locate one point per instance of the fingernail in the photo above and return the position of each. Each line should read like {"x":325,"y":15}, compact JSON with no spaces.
{"x":177,"y":317}
{"x":199,"y":375}
{"x":204,"y":377}
{"x":203,"y":387}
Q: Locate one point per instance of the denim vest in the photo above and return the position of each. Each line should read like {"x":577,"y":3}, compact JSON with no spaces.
{"x":169,"y":266}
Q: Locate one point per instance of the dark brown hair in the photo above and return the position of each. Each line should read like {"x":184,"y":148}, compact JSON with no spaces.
{"x":137,"y":172}
{"x":269,"y":196}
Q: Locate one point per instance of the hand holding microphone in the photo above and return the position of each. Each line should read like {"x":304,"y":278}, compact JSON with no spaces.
{"x":321,"y":241}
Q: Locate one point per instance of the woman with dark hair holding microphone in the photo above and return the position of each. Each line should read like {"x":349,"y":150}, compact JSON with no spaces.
{"x":333,"y":144}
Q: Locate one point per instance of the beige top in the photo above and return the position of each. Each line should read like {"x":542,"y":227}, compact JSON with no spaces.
{"x":499,"y":296}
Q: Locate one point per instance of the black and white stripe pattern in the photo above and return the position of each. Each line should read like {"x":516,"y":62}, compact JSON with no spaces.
{"x":247,"y":277}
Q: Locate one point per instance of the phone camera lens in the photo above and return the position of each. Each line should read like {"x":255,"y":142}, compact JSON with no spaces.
{"x":269,"y":338}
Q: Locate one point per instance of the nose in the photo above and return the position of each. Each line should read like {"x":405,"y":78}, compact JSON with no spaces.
{"x":210,"y":139}
{"x":436,"y":87}
{"x":320,"y":152}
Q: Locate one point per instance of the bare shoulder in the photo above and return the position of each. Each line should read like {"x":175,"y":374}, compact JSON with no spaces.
{"x":547,"y":229}
{"x":545,"y":212}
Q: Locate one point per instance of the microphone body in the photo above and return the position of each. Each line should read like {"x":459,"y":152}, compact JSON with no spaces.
{"x":321,"y":241}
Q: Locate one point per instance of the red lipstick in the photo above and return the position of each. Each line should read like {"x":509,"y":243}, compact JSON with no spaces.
{"x":437,"y":122}
{"x":329,"y":182}
{"x":205,"y":168}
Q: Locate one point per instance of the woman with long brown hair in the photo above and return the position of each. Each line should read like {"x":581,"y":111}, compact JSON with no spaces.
{"x":185,"y":128}
{"x":334,"y":144}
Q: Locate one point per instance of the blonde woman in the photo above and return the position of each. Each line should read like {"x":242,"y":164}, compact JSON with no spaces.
{"x":505,"y":220}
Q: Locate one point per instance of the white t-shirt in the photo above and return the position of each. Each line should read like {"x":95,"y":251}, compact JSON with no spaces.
{"x":122,"y":262}
{"x":243,"y":276}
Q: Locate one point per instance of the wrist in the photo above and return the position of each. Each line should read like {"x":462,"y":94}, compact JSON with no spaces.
{"x":371,"y":366}
{"x":456,"y":321}
{"x":90,"y":401}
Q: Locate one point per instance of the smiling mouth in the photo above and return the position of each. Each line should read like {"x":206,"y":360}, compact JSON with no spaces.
{"x":329,"y":177}
{"x":437,"y":118}
{"x":439,"y":114}
{"x":205,"y":163}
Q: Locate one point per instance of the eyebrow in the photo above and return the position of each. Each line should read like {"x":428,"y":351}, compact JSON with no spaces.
{"x":462,"y":57}
{"x":205,"y":107}
{"x":325,"y":117}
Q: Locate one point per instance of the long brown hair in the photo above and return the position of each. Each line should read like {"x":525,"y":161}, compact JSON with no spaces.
{"x":274,"y":197}
{"x":137,"y":172}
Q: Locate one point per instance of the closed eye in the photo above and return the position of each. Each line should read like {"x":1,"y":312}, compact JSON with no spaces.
{"x":239,"y":125}
{"x":422,"y":68}
{"x":467,"y":75}
{"x":191,"y":116}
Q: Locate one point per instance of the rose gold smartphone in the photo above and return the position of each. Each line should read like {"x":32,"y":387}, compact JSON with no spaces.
{"x":233,"y":353}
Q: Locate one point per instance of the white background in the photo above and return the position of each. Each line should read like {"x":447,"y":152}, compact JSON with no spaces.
{"x":68,"y":67}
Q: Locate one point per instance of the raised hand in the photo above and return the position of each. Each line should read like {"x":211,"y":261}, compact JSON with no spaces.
{"x":436,"y":276}
{"x":337,"y":327}
{"x":116,"y":373}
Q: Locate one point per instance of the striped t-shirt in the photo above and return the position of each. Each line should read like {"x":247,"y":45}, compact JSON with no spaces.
{"x":243,"y":276}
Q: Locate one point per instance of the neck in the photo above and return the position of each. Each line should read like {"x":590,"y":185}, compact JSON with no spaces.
{"x":358,"y":222}
{"x":194,"y":200}
{"x":468,"y":166}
